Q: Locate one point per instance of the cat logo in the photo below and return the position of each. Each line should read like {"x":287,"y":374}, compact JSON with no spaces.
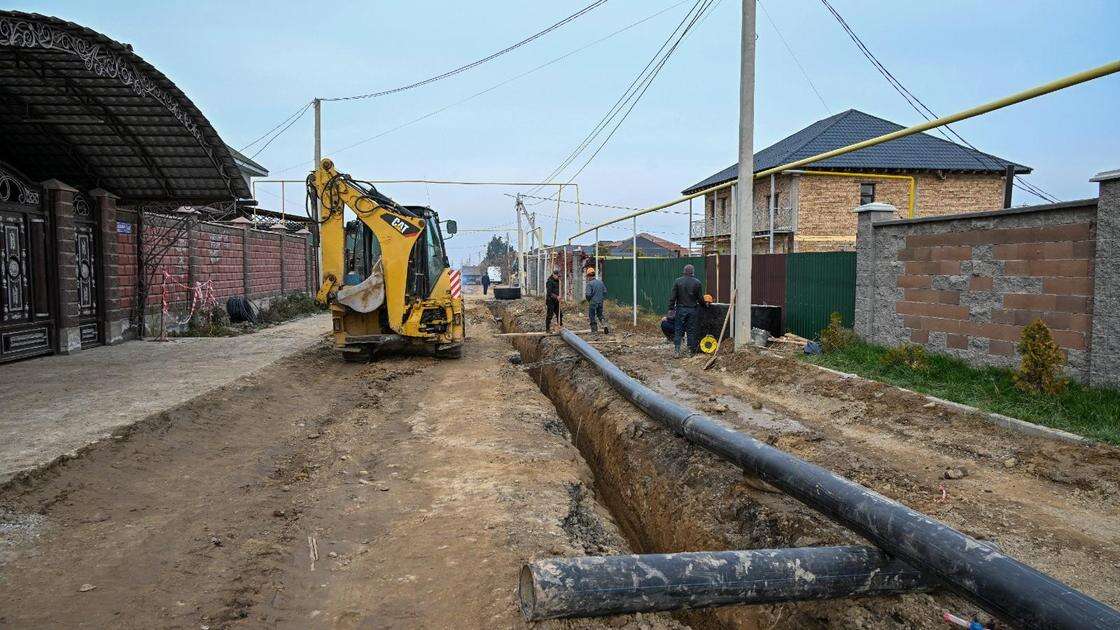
{"x":400,"y":225}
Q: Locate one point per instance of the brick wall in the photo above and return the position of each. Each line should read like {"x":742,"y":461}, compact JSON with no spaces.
{"x":208,"y":252}
{"x":966,"y":285}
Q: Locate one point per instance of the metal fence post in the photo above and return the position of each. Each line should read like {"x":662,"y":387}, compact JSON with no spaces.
{"x":596,"y":246}
{"x":634,"y":266}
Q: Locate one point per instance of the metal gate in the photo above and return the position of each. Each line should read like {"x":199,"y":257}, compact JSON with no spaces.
{"x":26,"y":324}
{"x":86,"y":247}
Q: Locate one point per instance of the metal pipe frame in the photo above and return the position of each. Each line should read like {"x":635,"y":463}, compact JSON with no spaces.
{"x":978,"y":570}
{"x":592,"y":586}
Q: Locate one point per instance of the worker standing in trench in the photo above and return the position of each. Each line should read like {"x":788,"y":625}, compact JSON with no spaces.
{"x":552,"y":301}
{"x":685,"y":300}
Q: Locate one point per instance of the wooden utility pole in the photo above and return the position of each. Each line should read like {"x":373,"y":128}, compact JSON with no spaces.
{"x":744,"y":198}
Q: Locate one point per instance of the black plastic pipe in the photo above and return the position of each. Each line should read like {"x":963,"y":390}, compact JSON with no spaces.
{"x":613,"y":585}
{"x":977,"y":570}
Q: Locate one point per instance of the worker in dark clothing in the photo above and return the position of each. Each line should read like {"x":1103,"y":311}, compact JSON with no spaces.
{"x":485,"y":282}
{"x":552,"y":301}
{"x":669,"y":326}
{"x":684,"y":301}
{"x":596,"y":293}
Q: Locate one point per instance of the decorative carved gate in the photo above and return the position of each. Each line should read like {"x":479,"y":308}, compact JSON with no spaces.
{"x":26,"y":323}
{"x":86,"y":247}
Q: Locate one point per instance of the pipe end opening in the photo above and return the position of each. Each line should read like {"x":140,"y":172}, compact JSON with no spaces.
{"x":527,"y":593}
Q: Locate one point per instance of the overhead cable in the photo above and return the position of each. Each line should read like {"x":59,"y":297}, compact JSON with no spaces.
{"x":473,"y":64}
{"x":925,"y":112}
{"x":282,"y":130}
{"x":635,"y":87}
{"x":491,"y":88}
{"x":794,"y":57}
{"x":278,"y":125}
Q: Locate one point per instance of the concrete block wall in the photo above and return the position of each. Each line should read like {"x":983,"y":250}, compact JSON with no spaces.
{"x":966,"y":285}
{"x":1104,"y":364}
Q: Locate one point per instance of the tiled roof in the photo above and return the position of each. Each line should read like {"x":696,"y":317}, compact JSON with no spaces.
{"x":919,"y":152}
{"x":87,"y":110}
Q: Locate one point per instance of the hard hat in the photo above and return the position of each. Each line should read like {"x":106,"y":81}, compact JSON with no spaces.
{"x":708,"y":298}
{"x":590,"y":271}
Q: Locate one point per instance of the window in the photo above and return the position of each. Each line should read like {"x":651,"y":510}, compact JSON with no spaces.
{"x":866,"y":194}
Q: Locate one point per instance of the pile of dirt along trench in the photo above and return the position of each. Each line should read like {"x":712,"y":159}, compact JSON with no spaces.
{"x":668,"y":495}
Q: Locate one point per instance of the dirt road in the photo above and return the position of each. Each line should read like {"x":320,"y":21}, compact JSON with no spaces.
{"x":314,"y":494}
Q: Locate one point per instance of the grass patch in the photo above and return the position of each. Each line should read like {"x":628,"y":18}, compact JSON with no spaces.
{"x":1091,"y":412}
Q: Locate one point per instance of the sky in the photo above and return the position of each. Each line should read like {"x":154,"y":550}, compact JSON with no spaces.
{"x":248,"y":65}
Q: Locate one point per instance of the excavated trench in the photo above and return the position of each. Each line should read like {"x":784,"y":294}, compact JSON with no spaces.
{"x":668,"y":496}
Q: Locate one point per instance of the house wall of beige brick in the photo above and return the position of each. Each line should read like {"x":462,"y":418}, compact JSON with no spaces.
{"x":820,"y":206}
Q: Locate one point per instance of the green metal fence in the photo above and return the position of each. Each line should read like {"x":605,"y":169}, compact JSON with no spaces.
{"x":655,"y":278}
{"x":818,"y":284}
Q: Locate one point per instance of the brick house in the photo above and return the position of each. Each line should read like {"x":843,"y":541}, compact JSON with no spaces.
{"x":922,"y":175}
{"x":649,"y":245}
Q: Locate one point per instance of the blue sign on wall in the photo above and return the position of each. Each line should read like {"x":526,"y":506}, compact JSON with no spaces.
{"x":124,"y":227}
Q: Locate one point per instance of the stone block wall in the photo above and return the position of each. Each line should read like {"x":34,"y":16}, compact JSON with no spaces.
{"x":966,"y":285}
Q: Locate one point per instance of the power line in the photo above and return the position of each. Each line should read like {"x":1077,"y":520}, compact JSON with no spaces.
{"x":588,"y":203}
{"x":280,"y":124}
{"x":925,"y":112}
{"x":493,"y":87}
{"x":473,"y":64}
{"x":634,"y":92}
{"x":795,"y":60}
{"x":615,"y":106}
{"x":282,"y":130}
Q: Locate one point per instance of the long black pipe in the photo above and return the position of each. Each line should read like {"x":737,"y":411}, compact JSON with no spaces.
{"x":614,"y":585}
{"x":977,"y":570}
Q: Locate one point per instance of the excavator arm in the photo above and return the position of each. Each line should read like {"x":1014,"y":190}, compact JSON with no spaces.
{"x":396,"y":228}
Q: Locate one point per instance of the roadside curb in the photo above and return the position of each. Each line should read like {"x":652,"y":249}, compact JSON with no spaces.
{"x":1007,"y":422}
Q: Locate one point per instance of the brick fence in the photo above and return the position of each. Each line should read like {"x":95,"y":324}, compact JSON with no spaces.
{"x":967,"y":284}
{"x":233,"y":259}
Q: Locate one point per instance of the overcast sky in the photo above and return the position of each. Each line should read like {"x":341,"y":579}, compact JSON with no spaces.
{"x":248,"y":65}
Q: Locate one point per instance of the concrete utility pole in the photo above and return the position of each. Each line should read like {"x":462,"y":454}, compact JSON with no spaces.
{"x":314,"y":167}
{"x":744,"y":199}
{"x":519,"y":209}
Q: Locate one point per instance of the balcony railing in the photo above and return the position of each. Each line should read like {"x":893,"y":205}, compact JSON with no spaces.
{"x":713,"y":227}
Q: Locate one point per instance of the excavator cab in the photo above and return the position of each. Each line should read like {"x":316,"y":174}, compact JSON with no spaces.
{"x":386,"y":274}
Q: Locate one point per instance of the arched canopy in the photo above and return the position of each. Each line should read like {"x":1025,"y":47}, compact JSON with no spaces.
{"x":82,"y":108}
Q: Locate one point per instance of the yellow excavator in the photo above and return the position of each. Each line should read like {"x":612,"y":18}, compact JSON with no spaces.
{"x":385,"y":274}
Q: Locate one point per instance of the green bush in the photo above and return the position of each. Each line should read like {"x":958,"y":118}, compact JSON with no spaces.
{"x":286,"y":307}
{"x":835,"y":336}
{"x":1040,"y":370}
{"x":908,"y":355}
{"x":212,"y":322}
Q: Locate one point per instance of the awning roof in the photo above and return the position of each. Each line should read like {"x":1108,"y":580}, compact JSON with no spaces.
{"x":80,"y":107}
